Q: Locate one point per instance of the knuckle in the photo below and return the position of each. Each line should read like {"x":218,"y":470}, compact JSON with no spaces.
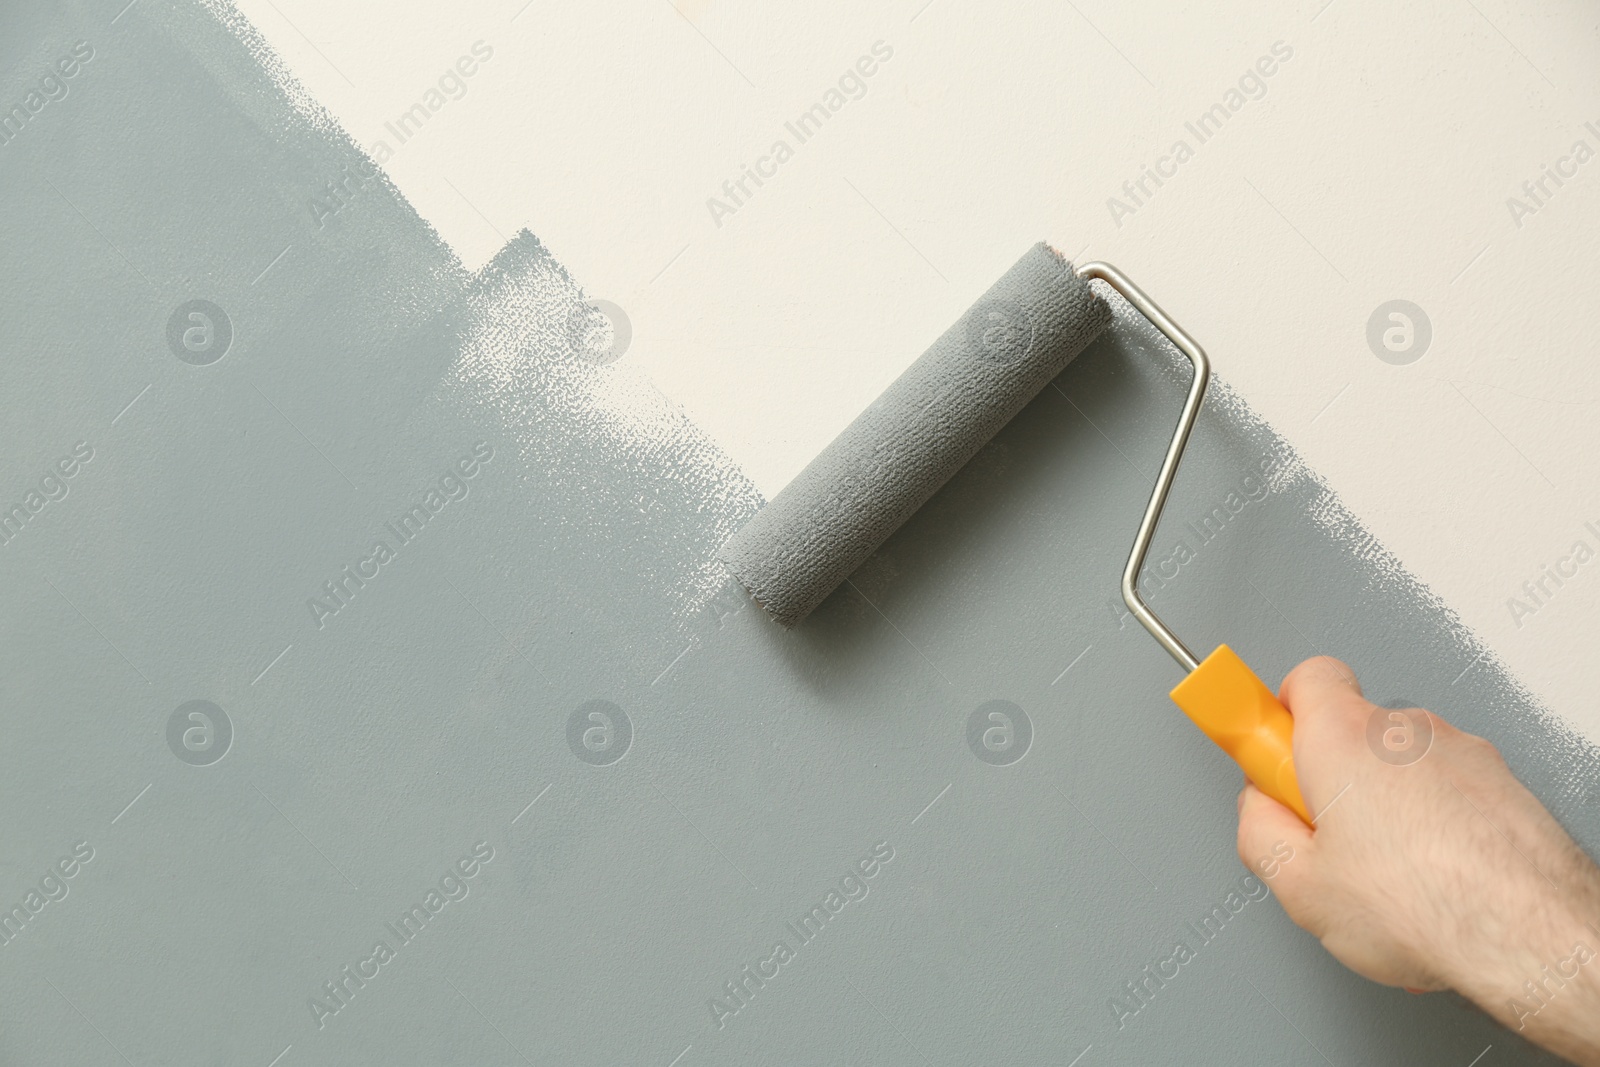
{"x":1316,"y":667}
{"x":1485,"y":748}
{"x":1317,"y":673}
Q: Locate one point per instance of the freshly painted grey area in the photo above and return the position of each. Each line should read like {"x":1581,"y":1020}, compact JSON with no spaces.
{"x":531,"y":784}
{"x":910,"y":440}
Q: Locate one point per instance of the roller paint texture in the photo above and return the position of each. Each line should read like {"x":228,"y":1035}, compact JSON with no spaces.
{"x":935,"y":417}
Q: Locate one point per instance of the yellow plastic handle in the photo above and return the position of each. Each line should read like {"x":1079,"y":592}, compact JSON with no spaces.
{"x":1233,"y":708}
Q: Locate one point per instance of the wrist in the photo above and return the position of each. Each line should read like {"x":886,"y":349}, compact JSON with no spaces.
{"x":1560,"y":992}
{"x":1545,"y":985}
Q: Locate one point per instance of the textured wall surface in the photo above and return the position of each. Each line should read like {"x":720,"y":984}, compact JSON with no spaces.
{"x":371,"y":696}
{"x":1377,"y":217}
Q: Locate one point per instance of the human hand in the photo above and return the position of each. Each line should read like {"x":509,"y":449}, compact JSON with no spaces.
{"x":1440,"y":873}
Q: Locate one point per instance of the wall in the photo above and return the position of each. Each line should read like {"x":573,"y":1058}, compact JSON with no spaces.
{"x":418,"y":726}
{"x":1354,"y":155}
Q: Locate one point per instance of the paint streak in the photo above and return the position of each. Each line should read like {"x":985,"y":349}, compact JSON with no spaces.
{"x":528,"y":348}
{"x":528,"y":356}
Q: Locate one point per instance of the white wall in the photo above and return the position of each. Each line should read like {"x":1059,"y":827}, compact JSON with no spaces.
{"x":1378,"y":165}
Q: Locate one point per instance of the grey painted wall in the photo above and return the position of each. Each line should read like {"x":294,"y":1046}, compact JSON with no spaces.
{"x":596,"y":880}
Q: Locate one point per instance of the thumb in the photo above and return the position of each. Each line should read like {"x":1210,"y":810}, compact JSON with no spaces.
{"x":1322,"y":688}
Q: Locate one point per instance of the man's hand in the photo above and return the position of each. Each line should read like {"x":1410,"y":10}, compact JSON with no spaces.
{"x":1432,"y":870}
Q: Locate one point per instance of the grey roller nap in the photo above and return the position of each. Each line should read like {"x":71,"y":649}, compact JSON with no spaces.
{"x":925,"y":426}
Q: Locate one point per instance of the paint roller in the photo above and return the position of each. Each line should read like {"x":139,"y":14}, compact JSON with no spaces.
{"x":935,"y":417}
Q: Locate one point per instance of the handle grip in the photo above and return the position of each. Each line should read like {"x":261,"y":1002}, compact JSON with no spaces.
{"x":1233,"y":708}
